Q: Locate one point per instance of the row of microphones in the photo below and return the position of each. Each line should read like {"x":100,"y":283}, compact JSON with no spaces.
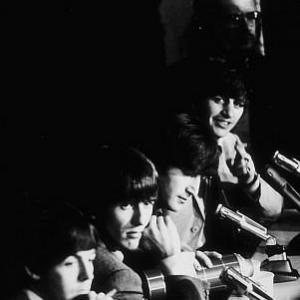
{"x":277,"y":261}
{"x":244,"y":285}
{"x":291,"y":165}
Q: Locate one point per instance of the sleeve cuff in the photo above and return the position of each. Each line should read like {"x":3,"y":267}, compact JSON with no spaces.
{"x":179,"y":264}
{"x":253,"y":188}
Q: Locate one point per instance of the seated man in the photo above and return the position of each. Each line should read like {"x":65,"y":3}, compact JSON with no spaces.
{"x":187,"y":155}
{"x":58,"y":251}
{"x":219,"y":104}
{"x":123,"y":190}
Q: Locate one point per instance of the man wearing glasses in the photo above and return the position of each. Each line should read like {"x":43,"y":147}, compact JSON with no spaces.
{"x":239,"y":27}
{"x":226,"y":31}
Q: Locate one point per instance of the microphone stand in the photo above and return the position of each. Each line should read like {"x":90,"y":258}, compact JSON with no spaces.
{"x":277,"y":261}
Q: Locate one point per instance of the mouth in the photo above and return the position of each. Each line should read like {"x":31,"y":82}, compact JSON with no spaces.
{"x":83,"y":292}
{"x":133,"y":234}
{"x":222,"y":123}
{"x":183,"y":199}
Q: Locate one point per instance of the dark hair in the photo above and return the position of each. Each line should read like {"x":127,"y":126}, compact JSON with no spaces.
{"x":218,"y":80}
{"x":186,"y":146}
{"x":121,"y":174}
{"x":54,"y":231}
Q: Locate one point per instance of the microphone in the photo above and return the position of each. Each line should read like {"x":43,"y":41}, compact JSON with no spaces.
{"x":243,"y":222}
{"x":283,"y":187}
{"x":244,"y":285}
{"x":291,"y":165}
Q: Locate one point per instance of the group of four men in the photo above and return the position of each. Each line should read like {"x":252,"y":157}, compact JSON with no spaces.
{"x":155,"y":206}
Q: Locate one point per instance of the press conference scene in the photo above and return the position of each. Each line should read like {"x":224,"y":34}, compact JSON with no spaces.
{"x":150,"y":150}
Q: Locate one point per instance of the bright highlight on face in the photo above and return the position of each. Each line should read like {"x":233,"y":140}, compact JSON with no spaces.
{"x":224,"y":114}
{"x":178,"y":188}
{"x":126,"y":222}
{"x":70,"y":278}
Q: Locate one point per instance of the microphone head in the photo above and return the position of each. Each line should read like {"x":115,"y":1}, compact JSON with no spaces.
{"x":276,"y":178}
{"x":289,"y":164}
{"x":218,"y":210}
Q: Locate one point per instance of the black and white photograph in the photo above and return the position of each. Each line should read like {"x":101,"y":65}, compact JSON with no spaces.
{"x":149,"y":149}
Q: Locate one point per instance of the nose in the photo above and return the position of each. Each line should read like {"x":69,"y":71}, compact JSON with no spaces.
{"x":228,"y":109}
{"x":248,"y":26}
{"x":140,"y":215}
{"x":190,"y":191}
{"x":193,"y":188}
{"x":86,"y":270}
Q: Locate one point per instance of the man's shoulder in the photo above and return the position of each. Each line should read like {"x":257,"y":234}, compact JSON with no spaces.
{"x":111,"y":272}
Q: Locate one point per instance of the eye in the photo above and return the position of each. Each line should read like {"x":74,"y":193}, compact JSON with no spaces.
{"x":149,"y":202}
{"x":125,"y":206}
{"x":218,"y":99}
{"x":69,"y":261}
{"x":240,"y":103}
{"x":235,"y":18}
{"x":252,"y":16}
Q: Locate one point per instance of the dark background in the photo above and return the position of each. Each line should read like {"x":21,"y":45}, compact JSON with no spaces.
{"x":76,"y":75}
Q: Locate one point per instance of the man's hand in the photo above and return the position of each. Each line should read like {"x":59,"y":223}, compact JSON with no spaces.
{"x":243,"y":167}
{"x":94,"y":296}
{"x":203,"y":259}
{"x":161,"y":235}
{"x":101,"y":296}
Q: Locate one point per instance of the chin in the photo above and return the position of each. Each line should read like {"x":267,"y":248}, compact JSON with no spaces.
{"x":220,"y":133}
{"x":176,"y":208}
{"x":131,"y":245}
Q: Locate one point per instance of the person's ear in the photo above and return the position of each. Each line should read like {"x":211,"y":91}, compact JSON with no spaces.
{"x":31,"y":274}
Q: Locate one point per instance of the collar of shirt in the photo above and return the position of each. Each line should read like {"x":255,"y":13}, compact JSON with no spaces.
{"x":32,"y":295}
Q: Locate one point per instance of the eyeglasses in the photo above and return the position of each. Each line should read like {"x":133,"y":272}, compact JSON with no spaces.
{"x":238,"y":19}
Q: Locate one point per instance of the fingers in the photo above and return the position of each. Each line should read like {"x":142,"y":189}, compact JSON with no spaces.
{"x":92,"y":295}
{"x":162,"y":235}
{"x":204,"y":259}
{"x":102,"y":296}
{"x":197,"y":265}
{"x":118,"y":254}
{"x":159,"y":224}
{"x":214,"y":254}
{"x":152,"y":227}
{"x":240,"y":147}
{"x":243,"y":166}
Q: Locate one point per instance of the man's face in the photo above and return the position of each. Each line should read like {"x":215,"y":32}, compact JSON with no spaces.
{"x":240,"y":23}
{"x":176,"y":188}
{"x":72,"y":277}
{"x":223,"y":114}
{"x":126,"y":222}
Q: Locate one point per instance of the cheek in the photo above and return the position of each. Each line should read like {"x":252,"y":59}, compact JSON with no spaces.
{"x":149,"y":212}
{"x":62,"y":283}
{"x":238,"y":114}
{"x":176,"y":187}
{"x":212,"y":110}
{"x":116,"y":220}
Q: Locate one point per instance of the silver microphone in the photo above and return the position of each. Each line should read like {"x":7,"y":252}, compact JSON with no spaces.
{"x":283,"y":187}
{"x":243,"y":222}
{"x":244,"y":285}
{"x":291,"y":165}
